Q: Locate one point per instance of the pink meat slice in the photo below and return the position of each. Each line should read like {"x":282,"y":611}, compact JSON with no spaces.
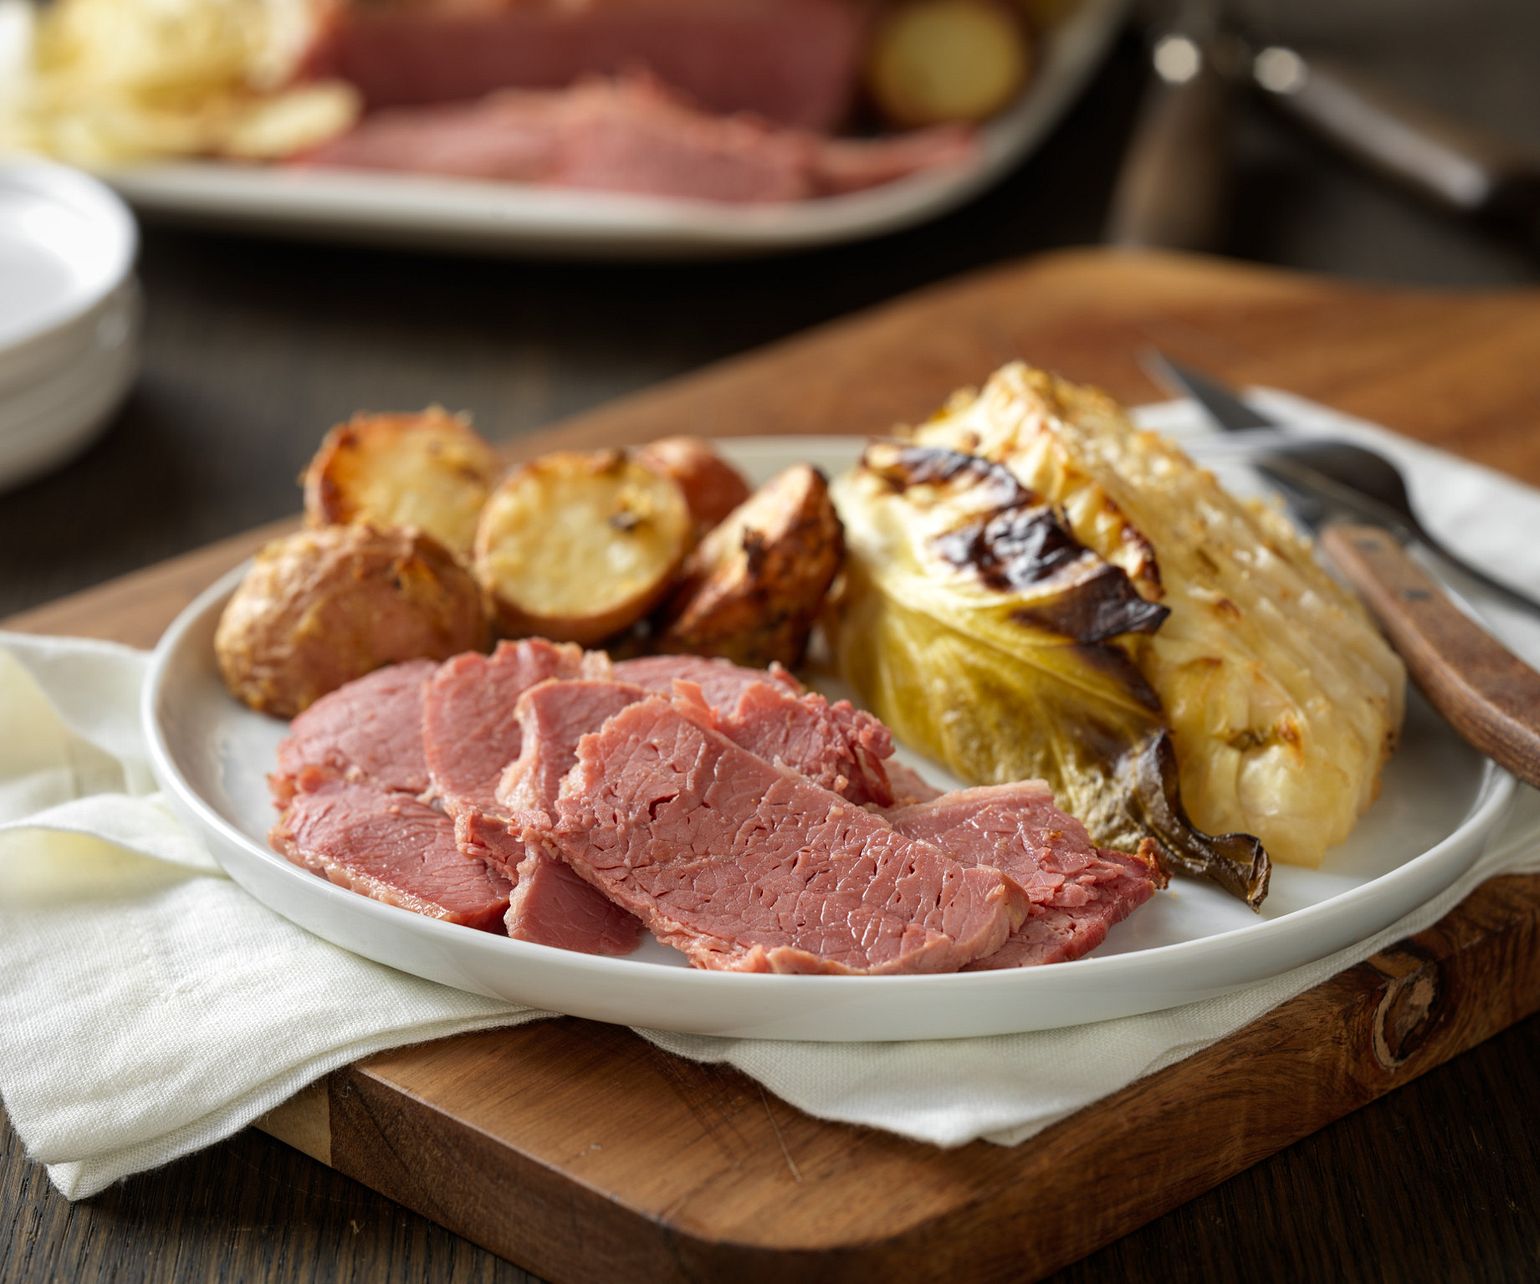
{"x":468,"y":730}
{"x":370,"y":729}
{"x":388,"y":846}
{"x":550,"y":903}
{"x":721,"y":681}
{"x":633,"y":136}
{"x":471,"y":733}
{"x":745,"y":865}
{"x":1077,"y":891}
{"x":794,"y":61}
{"x":837,"y":746}
{"x":908,"y":785}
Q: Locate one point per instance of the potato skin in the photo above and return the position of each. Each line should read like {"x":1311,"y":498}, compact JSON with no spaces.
{"x":429,"y":470}
{"x":577,"y":546}
{"x":321,"y":607}
{"x":712,"y":487}
{"x":752,"y":588}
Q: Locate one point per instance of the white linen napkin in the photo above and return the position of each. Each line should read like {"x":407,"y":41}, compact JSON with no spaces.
{"x":149,"y":1007}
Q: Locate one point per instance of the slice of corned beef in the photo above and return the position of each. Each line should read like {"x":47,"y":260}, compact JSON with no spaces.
{"x":369,"y":730}
{"x":1077,"y":890}
{"x":837,"y":746}
{"x":552,"y":719}
{"x":551,"y":905}
{"x":720,"y":681}
{"x":908,"y":785}
{"x":472,"y":732}
{"x":745,"y":865}
{"x":468,"y":730}
{"x":789,"y":60}
{"x":632,"y":136}
{"x":388,"y":846}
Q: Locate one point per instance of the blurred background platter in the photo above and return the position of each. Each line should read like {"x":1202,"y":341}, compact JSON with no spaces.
{"x":433,"y":213}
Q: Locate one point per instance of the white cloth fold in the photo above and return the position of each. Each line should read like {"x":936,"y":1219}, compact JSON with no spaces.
{"x":149,"y":1007}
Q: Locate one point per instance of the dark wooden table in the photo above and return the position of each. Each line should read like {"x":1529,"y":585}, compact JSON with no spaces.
{"x":253,"y":348}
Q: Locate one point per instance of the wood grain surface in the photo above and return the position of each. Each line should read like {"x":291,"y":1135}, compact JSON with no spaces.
{"x":583,"y":1153}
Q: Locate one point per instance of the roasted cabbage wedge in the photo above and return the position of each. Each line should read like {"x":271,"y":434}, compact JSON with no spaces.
{"x":1283,"y":699}
{"x":977,"y":626}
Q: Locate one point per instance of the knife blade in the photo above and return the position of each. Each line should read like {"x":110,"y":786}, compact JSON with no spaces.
{"x":1485,"y":692}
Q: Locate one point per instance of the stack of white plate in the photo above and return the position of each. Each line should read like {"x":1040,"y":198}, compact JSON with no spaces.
{"x":69,"y":314}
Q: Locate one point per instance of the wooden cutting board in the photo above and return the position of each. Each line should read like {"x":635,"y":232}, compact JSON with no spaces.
{"x":583,"y":1153}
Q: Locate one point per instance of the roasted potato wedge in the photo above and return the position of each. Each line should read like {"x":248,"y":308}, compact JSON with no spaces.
{"x":712,"y":487}
{"x":429,"y":470}
{"x":322,"y":607}
{"x":578,"y":545}
{"x":937,"y":61}
{"x":752,"y":588}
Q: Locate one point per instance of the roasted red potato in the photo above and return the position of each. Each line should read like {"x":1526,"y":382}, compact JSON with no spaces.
{"x":428,"y":470}
{"x":322,"y":607}
{"x":578,"y":545}
{"x":752,"y":588}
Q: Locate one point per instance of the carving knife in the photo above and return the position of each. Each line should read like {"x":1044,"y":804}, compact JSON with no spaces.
{"x":1485,"y":692}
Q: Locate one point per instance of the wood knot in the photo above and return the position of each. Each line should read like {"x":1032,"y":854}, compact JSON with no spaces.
{"x":1407,"y":1013}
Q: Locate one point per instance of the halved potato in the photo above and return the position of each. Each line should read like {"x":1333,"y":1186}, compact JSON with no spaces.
{"x":938,"y":61}
{"x":752,"y":588}
{"x":712,"y":487}
{"x":429,"y":470}
{"x":578,"y":545}
{"x":322,"y":607}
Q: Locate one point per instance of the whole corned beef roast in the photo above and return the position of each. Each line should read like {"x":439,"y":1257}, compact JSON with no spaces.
{"x":792,"y":61}
{"x":1077,"y":890}
{"x":632,"y":136}
{"x":370,"y":730}
{"x":748,"y":866}
{"x":388,"y":846}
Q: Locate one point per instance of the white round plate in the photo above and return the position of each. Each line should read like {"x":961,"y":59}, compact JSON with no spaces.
{"x":1439,"y":803}
{"x":46,"y":421}
{"x":66,"y":245}
{"x":461,"y":215}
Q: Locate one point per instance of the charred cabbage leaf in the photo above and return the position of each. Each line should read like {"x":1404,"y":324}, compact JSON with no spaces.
{"x":1282,"y":698}
{"x":981,"y":631}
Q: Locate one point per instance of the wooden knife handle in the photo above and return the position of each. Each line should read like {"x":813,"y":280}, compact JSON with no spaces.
{"x":1460,"y":167}
{"x":1489,"y":695}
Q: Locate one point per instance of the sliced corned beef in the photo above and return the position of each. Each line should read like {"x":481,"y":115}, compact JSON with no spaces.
{"x":368,"y":730}
{"x":837,"y":746}
{"x":1077,"y":890}
{"x":720,"y":681}
{"x":468,"y":730}
{"x":793,"y":61}
{"x":471,"y":733}
{"x":908,"y":785}
{"x":630,"y":136}
{"x":551,"y":905}
{"x":748,"y":866}
{"x":552,"y":719}
{"x":389,"y":846}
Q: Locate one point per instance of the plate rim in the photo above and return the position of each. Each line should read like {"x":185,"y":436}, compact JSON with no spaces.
{"x":1287,"y":933}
